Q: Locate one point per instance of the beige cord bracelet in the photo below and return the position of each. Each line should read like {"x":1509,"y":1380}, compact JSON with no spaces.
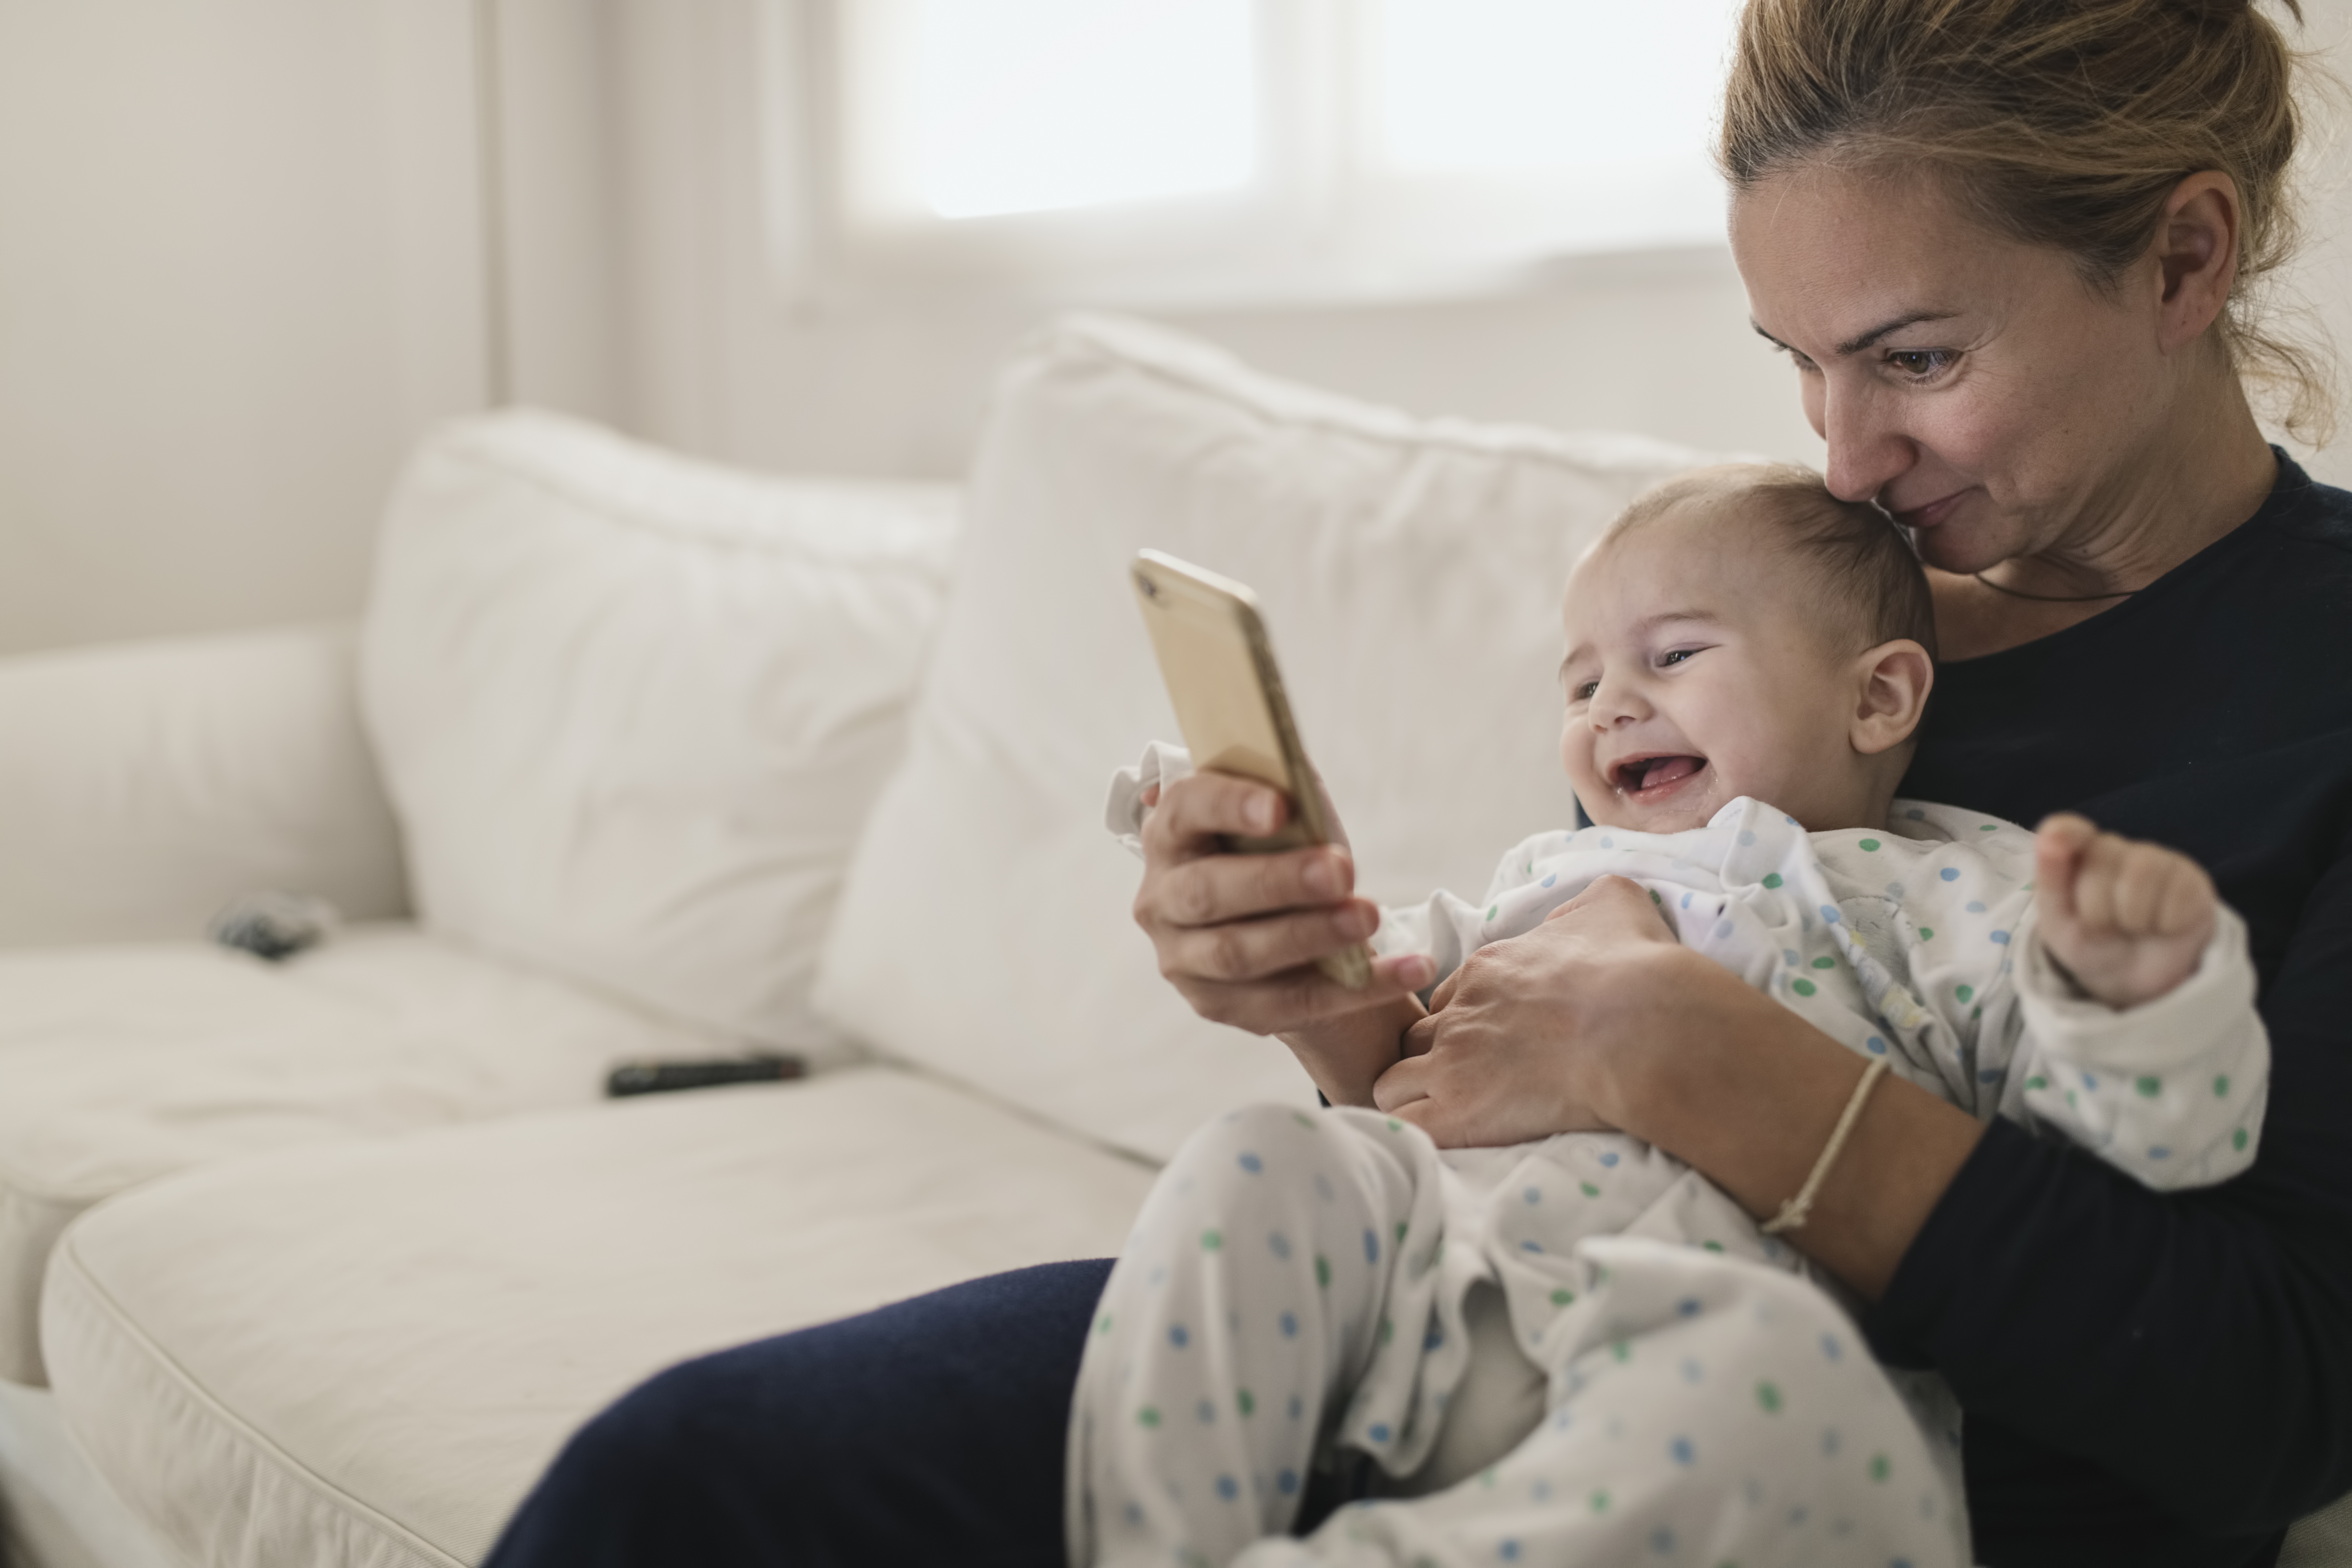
{"x":1793,"y":1211}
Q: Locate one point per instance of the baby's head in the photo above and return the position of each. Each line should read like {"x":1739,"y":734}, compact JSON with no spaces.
{"x":1740,"y":631}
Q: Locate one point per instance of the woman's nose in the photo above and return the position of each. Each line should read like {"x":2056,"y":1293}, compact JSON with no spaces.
{"x":1868,"y":448}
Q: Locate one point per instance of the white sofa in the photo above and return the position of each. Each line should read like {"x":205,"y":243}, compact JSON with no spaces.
{"x":640,"y":758}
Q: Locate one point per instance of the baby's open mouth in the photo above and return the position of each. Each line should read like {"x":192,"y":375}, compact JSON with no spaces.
{"x":1641,"y":775}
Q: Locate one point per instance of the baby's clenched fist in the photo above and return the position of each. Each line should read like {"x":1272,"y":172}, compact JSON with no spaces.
{"x":2127,"y":921}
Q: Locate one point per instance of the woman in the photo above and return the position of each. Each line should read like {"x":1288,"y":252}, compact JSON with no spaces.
{"x":2009,"y":245}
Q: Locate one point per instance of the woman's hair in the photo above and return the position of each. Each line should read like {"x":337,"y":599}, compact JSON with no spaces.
{"x":2061,"y":122}
{"x":1856,"y":565}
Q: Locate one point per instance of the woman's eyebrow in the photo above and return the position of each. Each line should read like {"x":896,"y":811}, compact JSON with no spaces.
{"x":1855,"y":346}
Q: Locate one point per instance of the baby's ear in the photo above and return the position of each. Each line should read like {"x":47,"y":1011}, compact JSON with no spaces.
{"x":1892,"y":681}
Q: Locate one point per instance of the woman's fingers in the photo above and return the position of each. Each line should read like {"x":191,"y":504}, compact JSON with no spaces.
{"x":1212,"y":889}
{"x":1301,"y":996}
{"x":1194,"y":810}
{"x":1248,"y":949}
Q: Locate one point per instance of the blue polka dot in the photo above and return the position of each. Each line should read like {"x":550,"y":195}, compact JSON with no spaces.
{"x":1687,"y":899}
{"x":1950,"y":873}
{"x":1681,"y":1450}
{"x":1661,"y":1541}
{"x":1178,"y":1336}
{"x":1607,"y":842}
{"x":1693,"y":1372}
{"x":1531,"y":1246}
{"x":1987,"y":1075}
{"x":2090,"y":1080}
{"x":2001,"y":938}
{"x":1975,"y":906}
{"x":1828,"y":913}
{"x":1878,"y":1047}
{"x":1286,"y":1483}
{"x":1289,"y":1324}
{"x":1508,"y":1551}
{"x":1206,"y":1411}
{"x":1790,"y":956}
{"x":1279,"y":1245}
{"x":1689,"y":1307}
{"x":1533,"y":1196}
{"x":1548,"y":881}
{"x":1228,"y":1488}
{"x":1371,"y":1246}
{"x":1746,"y":838}
{"x":1377,"y":1432}
{"x":1297,"y":1408}
{"x":1790,"y":821}
{"x":1252,"y":1163}
{"x":1609,"y":1157}
{"x":1723,"y":929}
{"x":1831,"y":1347}
{"x":1915,"y":814}
{"x":1893,"y":889}
{"x":2159,"y":1152}
{"x":1434,"y":1338}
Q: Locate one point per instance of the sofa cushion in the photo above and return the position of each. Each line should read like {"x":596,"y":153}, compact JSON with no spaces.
{"x":1411,"y":574}
{"x":365,"y":1354}
{"x":119,"y":1065}
{"x":632,"y":709}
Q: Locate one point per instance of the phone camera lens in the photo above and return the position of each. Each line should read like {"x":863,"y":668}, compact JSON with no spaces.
{"x":1151,"y":589}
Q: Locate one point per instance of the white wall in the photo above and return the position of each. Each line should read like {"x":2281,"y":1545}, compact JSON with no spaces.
{"x":725,"y":359}
{"x":242,"y":267}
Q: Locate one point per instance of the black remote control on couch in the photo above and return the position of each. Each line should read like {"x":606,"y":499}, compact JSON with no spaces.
{"x":661,"y":1078}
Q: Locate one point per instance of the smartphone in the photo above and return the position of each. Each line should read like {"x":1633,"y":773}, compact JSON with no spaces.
{"x":1220,"y":676}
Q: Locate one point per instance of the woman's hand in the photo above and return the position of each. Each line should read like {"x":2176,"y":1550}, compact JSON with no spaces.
{"x":1518,"y":1040}
{"x":1239,"y":934}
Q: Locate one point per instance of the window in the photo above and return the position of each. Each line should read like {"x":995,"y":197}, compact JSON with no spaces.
{"x":1222,"y":149}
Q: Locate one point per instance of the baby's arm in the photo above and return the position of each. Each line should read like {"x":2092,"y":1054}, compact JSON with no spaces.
{"x":2137,"y":1004}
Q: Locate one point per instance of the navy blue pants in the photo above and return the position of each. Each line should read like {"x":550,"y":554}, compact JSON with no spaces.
{"x":928,"y":1432}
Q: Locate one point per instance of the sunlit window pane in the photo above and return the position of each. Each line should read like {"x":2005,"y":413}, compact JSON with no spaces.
{"x":1523,"y":84}
{"x":1023,"y":105}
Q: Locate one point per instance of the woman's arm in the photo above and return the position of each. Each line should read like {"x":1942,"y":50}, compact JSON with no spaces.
{"x":1598,"y":1019}
{"x":2196,"y":1345}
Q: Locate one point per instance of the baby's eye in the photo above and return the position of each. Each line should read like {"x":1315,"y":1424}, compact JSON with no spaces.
{"x":1582,"y":690}
{"x":1675,"y":656}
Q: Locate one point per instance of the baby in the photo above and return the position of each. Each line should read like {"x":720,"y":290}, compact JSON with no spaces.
{"x":1578,"y":1350}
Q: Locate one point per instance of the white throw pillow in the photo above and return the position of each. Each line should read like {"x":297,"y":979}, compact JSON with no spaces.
{"x":1411,"y":574}
{"x":632,"y":709}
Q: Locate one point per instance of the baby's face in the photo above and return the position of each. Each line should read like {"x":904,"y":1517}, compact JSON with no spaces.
{"x":1695,"y":676}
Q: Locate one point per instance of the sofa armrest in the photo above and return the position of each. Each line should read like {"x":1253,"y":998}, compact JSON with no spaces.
{"x":143,"y":786}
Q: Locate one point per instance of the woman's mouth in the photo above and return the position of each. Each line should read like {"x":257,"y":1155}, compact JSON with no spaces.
{"x":1929,"y":515}
{"x":1649,"y":779}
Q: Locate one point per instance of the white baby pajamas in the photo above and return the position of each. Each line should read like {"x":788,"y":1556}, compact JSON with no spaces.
{"x":1301,"y":1288}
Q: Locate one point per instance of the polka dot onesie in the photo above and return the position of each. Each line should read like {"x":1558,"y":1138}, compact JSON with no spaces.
{"x":1300,"y":1292}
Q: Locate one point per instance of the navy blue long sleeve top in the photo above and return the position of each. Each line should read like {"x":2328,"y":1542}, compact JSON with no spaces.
{"x":2155,"y":1379}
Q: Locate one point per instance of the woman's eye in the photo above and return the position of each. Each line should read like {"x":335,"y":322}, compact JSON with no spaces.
{"x":1922,"y":364}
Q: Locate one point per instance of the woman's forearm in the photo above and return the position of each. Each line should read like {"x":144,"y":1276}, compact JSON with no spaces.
{"x":1750,"y":1094}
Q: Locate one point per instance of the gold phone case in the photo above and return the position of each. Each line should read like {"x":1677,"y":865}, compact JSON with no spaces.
{"x":1228,"y":695}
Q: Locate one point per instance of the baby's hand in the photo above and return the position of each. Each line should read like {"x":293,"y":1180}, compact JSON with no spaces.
{"x":2126,"y":920}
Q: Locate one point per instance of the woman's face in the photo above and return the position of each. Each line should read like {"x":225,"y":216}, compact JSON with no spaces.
{"x":1975,"y":387}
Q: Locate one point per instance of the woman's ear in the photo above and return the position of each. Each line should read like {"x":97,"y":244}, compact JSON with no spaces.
{"x":2196,"y":254}
{"x":1893,"y":681}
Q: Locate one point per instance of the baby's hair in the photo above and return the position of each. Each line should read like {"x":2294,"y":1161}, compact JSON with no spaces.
{"x":1861,"y":565}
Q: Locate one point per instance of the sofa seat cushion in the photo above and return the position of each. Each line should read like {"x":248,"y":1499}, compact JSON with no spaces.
{"x":366,"y":1353}
{"x":121,"y":1064}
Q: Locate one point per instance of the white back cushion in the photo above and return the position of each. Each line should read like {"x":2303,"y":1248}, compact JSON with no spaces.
{"x":632,"y":709}
{"x":1411,"y":574}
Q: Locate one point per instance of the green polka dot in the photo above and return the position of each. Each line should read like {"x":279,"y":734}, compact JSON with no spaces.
{"x":1212,"y":1240}
{"x":1880,"y":1466}
{"x":1402,"y":1227}
{"x":1801,"y":988}
{"x":1622,"y":1350}
{"x":1825,"y":962}
{"x":1388,"y":1331}
{"x":1772,"y":878}
{"x":1395,"y":1125}
{"x":2070,"y":1098}
{"x":1964,"y":991}
{"x":1989,"y":828}
{"x":1927,"y":933}
{"x":1148,"y":1417}
{"x":1654,"y":897}
{"x":1322,"y":1270}
{"x":1490,"y":912}
{"x":1305,"y":1120}
{"x":2238,"y":1139}
{"x":1245,"y":1402}
{"x":1102,"y":1325}
{"x":1711,"y":1245}
{"x":2221,"y":1086}
{"x":2149,"y":1086}
{"x":1870,"y":845}
{"x":1767,"y":1394}
{"x":2037,"y":1081}
{"x":1562,"y":1297}
{"x":1487,"y":1478}
{"x":1590,"y":1190}
{"x":1601,"y":1502}
{"x":1976,"y":1012}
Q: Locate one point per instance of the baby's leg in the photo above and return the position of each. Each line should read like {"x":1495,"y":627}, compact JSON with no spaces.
{"x":1257,"y":1286}
{"x":1713,"y":1411}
